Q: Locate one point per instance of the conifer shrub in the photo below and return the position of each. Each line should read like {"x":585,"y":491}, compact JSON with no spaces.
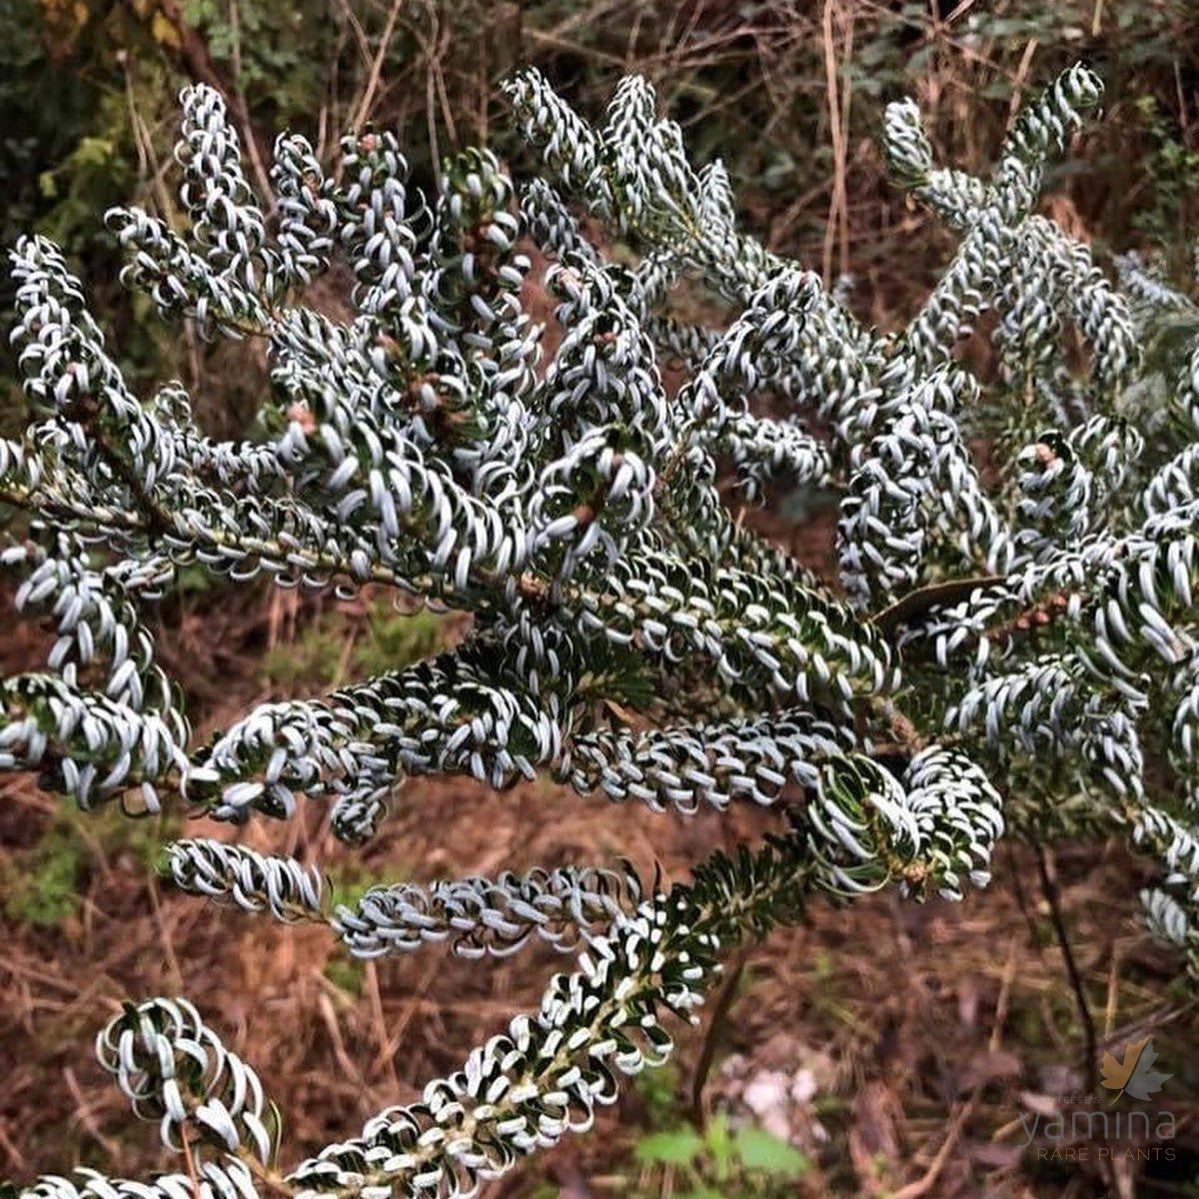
{"x":1006,"y":651}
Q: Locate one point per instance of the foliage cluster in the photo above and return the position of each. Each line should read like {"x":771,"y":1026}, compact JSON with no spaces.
{"x":1010,"y":647}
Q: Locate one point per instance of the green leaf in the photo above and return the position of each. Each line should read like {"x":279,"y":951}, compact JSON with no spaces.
{"x":762,"y":1150}
{"x":679,"y":1147}
{"x":720,"y":1146}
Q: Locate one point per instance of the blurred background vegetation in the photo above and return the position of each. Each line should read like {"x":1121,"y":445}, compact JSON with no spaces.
{"x":790,"y":95}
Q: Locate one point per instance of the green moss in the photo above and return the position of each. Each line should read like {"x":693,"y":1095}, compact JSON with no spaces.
{"x":659,"y":1091}
{"x":349,"y":881}
{"x":141,"y":840}
{"x":389,"y":641}
{"x":397,"y":640}
{"x":313,"y":657}
{"x":43,"y":887}
{"x":346,"y":974}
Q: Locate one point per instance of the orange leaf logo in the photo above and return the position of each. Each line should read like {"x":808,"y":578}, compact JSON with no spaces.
{"x":1133,"y":1072}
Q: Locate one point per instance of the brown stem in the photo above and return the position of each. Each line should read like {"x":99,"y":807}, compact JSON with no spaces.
{"x":157,"y":520}
{"x":1054,"y":899}
{"x":720,"y":1010}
